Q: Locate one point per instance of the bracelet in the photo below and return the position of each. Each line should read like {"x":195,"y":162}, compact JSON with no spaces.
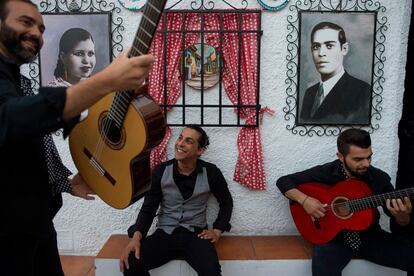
{"x":303,"y":202}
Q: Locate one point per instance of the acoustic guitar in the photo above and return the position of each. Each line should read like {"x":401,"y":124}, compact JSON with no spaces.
{"x":111,"y":148}
{"x":351,"y":206}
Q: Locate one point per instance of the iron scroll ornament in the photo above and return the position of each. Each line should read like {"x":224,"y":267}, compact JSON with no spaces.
{"x":292,"y":73}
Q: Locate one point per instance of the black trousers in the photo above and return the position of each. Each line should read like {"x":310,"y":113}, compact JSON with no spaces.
{"x":26,"y":255}
{"x":378,"y":246}
{"x":160,"y":248}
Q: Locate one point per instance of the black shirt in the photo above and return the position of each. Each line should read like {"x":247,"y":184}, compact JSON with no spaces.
{"x":25,"y":199}
{"x":186,"y":184}
{"x":331,"y":173}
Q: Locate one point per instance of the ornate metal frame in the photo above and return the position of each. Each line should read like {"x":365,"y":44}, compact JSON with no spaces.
{"x":81,"y":6}
{"x":293,"y":61}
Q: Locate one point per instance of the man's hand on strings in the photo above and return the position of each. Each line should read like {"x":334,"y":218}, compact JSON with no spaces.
{"x":400,"y":209}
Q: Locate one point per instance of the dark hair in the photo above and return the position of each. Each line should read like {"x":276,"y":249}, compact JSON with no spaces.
{"x":4,"y":11}
{"x":68,"y":40}
{"x":204,"y":140}
{"x":329,"y":25}
{"x":353,"y":137}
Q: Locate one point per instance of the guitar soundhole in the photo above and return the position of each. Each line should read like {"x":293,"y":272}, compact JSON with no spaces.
{"x":110,"y":132}
{"x":340,"y":208}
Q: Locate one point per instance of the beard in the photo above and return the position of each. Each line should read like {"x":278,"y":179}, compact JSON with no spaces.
{"x":354,"y":172}
{"x":13,"y":42}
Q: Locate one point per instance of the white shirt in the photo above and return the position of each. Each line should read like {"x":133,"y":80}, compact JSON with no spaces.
{"x":329,"y":84}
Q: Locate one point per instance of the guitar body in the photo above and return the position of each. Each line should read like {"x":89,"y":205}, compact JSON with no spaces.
{"x":111,"y":148}
{"x":338,"y":217}
{"x":117,"y":165}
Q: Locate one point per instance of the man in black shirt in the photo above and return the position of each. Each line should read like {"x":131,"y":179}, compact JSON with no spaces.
{"x":374,"y":244}
{"x":181,"y":188}
{"x":28,"y":199}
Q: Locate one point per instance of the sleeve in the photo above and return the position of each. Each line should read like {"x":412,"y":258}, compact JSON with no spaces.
{"x":62,"y":186}
{"x":322,"y":174}
{"x":220,"y":190}
{"x":25,"y":117}
{"x":60,"y":172}
{"x":150,"y":206}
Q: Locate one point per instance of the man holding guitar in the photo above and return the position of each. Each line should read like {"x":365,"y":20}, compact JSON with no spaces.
{"x":29,"y":200}
{"x":373,"y":244}
{"x":180,"y":188}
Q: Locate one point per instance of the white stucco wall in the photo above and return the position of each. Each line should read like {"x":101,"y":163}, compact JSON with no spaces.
{"x":83,"y":226}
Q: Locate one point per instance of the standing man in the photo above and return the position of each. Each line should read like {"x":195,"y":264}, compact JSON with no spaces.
{"x":338,"y":98}
{"x":373,"y":244}
{"x":405,"y":172}
{"x":181,"y":188}
{"x":28,"y":167}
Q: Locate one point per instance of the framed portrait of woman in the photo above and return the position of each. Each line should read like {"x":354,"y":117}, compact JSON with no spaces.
{"x":76,"y":46}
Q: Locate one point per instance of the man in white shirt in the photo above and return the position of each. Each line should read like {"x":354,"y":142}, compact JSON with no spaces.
{"x":338,"y":98}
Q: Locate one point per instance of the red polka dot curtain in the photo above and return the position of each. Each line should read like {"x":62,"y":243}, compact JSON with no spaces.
{"x":238,"y":49}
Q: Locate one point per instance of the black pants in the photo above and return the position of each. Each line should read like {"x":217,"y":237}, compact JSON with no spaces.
{"x":160,"y":248}
{"x":378,"y":246}
{"x":26,"y":255}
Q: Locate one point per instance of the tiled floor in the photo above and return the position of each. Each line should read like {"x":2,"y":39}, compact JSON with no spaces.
{"x":78,"y":265}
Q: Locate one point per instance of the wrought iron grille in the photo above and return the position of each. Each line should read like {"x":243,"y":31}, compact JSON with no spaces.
{"x":215,"y":105}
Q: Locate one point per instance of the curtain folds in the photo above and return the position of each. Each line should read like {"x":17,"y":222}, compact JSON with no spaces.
{"x":237,"y":48}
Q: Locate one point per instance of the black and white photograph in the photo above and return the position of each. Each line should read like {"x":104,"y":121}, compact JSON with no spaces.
{"x":335,"y":68}
{"x":76,"y":46}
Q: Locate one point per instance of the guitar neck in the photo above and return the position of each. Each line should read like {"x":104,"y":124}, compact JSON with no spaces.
{"x":142,"y":42}
{"x":378,"y":200}
{"x":147,"y":27}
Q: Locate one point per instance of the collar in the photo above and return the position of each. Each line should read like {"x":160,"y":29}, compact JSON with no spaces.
{"x":366,"y":177}
{"x":329,"y":84}
{"x":343,"y":170}
{"x":337,"y":170}
{"x":13,"y":67}
{"x":197,"y":170}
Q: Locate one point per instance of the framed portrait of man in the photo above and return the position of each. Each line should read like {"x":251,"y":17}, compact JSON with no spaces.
{"x":76,"y":46}
{"x":336,"y":61}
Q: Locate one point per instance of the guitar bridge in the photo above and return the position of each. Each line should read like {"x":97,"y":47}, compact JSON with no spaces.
{"x":98,"y":167}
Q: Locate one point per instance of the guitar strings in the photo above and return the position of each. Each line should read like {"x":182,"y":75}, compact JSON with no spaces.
{"x":371,"y":201}
{"x":114,"y":115}
{"x":121,"y":101}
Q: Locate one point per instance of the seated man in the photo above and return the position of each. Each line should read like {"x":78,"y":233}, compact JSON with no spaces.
{"x":373,"y":244}
{"x":181,"y":188}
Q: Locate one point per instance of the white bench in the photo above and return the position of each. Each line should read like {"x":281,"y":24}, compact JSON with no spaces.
{"x":243,"y":256}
